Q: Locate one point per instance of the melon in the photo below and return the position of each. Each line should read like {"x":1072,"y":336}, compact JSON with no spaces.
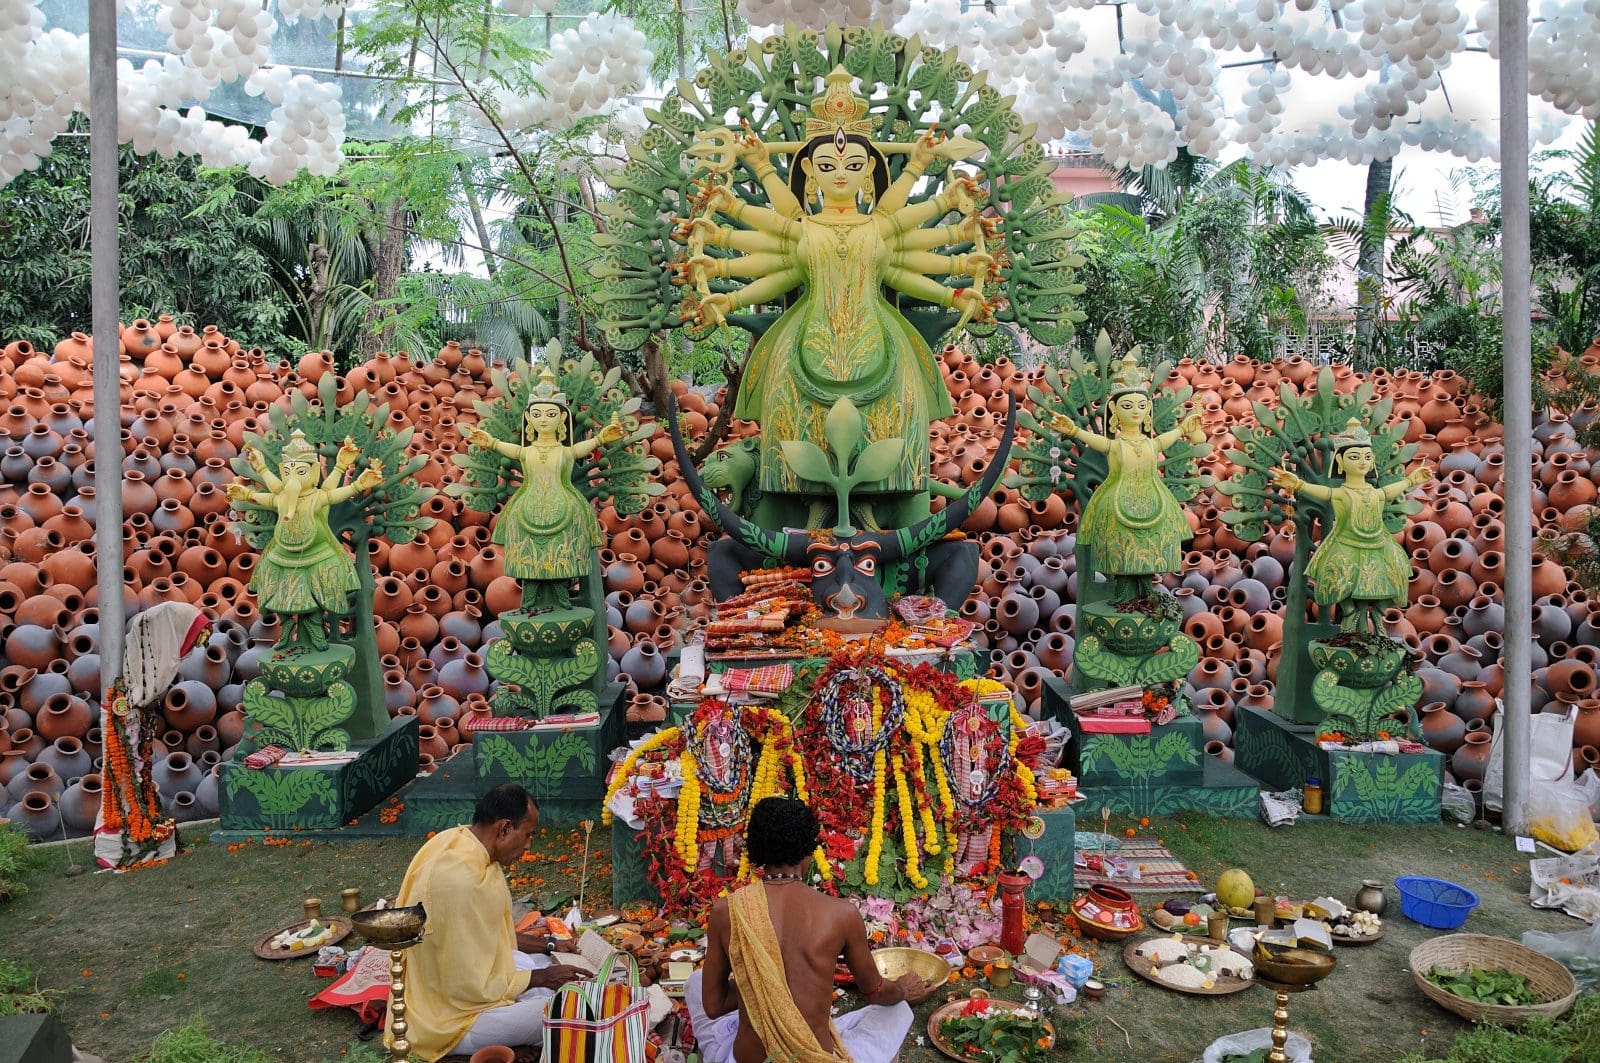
{"x":1235,"y":889}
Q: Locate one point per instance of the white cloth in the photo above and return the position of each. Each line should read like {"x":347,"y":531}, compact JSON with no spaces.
{"x":521,"y":1023}
{"x":156,"y":642}
{"x":872,"y":1034}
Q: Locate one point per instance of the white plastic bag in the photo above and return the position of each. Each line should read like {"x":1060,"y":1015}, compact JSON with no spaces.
{"x":1549,"y":755}
{"x":1589,"y":783}
{"x":1578,"y":952}
{"x":1570,"y":883}
{"x":1457,"y":805}
{"x":1558,"y":815}
{"x":1242,"y":1044}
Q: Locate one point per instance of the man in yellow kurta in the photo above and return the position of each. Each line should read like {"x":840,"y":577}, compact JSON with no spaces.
{"x":464,"y":988}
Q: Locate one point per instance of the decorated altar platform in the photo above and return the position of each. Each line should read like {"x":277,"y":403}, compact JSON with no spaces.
{"x":1156,"y":773}
{"x":1359,"y":786}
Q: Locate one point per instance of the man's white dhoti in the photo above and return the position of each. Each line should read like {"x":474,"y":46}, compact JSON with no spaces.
{"x":872,"y":1034}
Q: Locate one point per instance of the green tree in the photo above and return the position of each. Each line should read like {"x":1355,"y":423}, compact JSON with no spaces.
{"x":191,"y":245}
{"x":1202,"y":261}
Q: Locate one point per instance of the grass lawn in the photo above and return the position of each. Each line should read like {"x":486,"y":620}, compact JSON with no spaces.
{"x":127,"y":957}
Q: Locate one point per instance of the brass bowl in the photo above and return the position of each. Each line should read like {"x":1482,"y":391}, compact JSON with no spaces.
{"x":930,"y":967}
{"x":1291,"y":966}
{"x":389,"y":926}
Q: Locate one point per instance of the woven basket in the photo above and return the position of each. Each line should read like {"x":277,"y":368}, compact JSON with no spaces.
{"x":1457,"y":953}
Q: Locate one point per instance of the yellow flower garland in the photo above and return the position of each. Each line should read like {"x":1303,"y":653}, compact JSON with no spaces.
{"x":689,"y":814}
{"x":869,"y":872}
{"x":659,"y":739}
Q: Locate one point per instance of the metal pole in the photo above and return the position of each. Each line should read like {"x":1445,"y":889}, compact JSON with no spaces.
{"x":107,"y":342}
{"x":1518,"y":371}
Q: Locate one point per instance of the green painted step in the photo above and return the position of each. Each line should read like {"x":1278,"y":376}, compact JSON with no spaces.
{"x":1357,"y":787}
{"x":318,"y":797}
{"x":1224,"y":791}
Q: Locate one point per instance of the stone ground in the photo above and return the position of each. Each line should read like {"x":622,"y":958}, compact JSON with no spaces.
{"x":127,"y":957}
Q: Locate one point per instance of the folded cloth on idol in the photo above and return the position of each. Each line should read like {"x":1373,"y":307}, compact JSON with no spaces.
{"x":767,"y":679}
{"x":691,"y":674}
{"x":265,"y":757}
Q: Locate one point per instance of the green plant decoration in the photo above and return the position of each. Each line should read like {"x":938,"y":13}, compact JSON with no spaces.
{"x":1271,"y":755}
{"x":1297,"y":435}
{"x":543,"y":682}
{"x":846,"y":462}
{"x":770,"y":84}
{"x":300,"y":722}
{"x":284,"y":798}
{"x":1114,"y":669}
{"x":1364,"y":793}
{"x":542,"y":764}
{"x":619,"y":473}
{"x":391,"y":510}
{"x":1137,"y":759}
{"x":1358,"y":713}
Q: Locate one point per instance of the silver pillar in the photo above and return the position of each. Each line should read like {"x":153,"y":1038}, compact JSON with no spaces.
{"x":1518,"y":370}
{"x":107,"y":343}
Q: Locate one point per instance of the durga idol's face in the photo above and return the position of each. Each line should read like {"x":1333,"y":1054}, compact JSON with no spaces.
{"x":1358,"y":460}
{"x":1131,"y":409}
{"x":546,"y":419}
{"x":840,"y":176}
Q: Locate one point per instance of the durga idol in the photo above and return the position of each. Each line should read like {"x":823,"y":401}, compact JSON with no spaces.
{"x":843,"y":235}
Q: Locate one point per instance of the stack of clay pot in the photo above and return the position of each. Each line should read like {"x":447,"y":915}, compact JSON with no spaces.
{"x":189,"y":396}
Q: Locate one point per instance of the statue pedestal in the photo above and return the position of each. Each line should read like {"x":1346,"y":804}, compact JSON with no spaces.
{"x":1357,"y":787}
{"x":1130,"y":649}
{"x":316,"y":796}
{"x":551,"y":658}
{"x":1159,"y":773}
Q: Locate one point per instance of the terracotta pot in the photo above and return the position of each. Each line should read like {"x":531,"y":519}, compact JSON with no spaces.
{"x":36,"y":778}
{"x":430,"y":744}
{"x":645,"y":663}
{"x":1472,"y":759}
{"x":465,"y":677}
{"x":68,"y":757}
{"x":1586,"y":730}
{"x":493,"y":1054}
{"x":1572,"y":680}
{"x":1475,"y":702}
{"x":188,"y":705}
{"x":1441,"y":728}
{"x":37,"y":814}
{"x":80,"y":803}
{"x":436,"y":705}
{"x":63,"y":716}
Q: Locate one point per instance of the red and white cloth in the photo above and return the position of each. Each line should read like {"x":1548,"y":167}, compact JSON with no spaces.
{"x":768,"y":679}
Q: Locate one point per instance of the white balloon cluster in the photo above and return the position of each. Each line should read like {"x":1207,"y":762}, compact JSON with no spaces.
{"x":1152,"y":81}
{"x":224,"y":39}
{"x":818,"y":13}
{"x":213,"y":42}
{"x":528,"y":7}
{"x":292,"y":10}
{"x":1563,"y":52}
{"x":587,"y":69}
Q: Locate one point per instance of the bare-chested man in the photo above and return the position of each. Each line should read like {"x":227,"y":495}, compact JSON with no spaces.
{"x":771,"y":950}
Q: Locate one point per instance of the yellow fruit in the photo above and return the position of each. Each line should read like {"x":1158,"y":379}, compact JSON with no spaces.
{"x":1235,"y":889}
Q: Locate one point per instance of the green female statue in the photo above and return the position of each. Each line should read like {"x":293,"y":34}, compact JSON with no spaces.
{"x":1133,"y":522}
{"x":305,"y":574}
{"x":840,"y":231}
{"x":547,"y":527}
{"x":1358,"y":567}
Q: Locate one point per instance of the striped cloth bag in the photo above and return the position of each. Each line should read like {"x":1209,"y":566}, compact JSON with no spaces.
{"x":599,"y":1021}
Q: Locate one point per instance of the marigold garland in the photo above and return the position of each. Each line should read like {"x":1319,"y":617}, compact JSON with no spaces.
{"x":129,"y":802}
{"x":675,"y":825}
